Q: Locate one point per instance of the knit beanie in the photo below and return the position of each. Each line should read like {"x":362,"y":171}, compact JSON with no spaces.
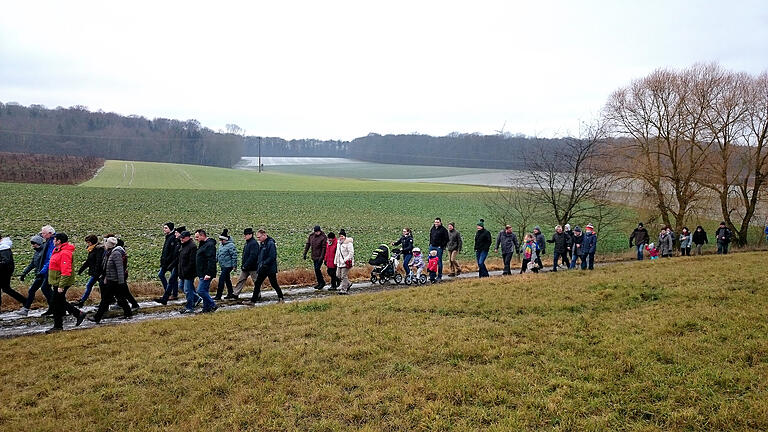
{"x":170,"y":225}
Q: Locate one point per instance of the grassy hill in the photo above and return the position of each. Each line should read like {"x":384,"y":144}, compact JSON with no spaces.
{"x":153,"y":175}
{"x":653,"y":346}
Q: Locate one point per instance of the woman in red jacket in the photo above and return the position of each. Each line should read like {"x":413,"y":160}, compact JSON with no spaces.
{"x":60,"y":278}
{"x":330,"y":254}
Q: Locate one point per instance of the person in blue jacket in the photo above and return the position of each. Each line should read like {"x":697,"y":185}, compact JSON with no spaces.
{"x":588,"y":248}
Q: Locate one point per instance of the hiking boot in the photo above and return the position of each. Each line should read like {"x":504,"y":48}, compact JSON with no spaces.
{"x":54,"y":330}
{"x":452,"y":274}
{"x":343,"y":292}
{"x":281,"y":300}
{"x":49,"y":312}
{"x":217,"y":298}
{"x":80,"y":304}
{"x":231,"y":297}
{"x":173,"y":298}
{"x":332,"y":288}
{"x":23,"y":312}
{"x":458,"y":272}
{"x":209,"y":310}
{"x":186,"y":311}
{"x":133,"y":307}
{"x":93,"y":320}
{"x":161,"y":301}
{"x":80,"y":318}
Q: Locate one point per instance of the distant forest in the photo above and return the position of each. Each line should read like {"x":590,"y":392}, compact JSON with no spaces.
{"x":79,"y":132}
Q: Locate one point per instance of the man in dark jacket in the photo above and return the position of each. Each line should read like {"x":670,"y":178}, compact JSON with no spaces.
{"x":723,"y":235}
{"x":171,"y":291}
{"x":187,"y":270}
{"x":438,"y":239}
{"x":699,"y":238}
{"x":562,"y":243}
{"x":267,"y":267}
{"x":317,"y":241}
{"x":250,"y":262}
{"x":509,"y":246}
{"x":483,"y":243}
{"x":205,"y":264}
{"x":576,"y":242}
{"x":641,"y":238}
{"x":168,"y":260}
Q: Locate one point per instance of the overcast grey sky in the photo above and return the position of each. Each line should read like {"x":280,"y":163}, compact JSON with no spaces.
{"x":342,"y":69}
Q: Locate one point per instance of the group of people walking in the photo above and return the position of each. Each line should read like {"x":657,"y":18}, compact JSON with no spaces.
{"x":667,"y":243}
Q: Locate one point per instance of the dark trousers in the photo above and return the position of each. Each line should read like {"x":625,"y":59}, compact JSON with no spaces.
{"x":40,"y":283}
{"x":128,"y":296}
{"x":588,"y":260}
{"x":524,"y":267}
{"x":5,"y":285}
{"x":109,"y":292}
{"x":225,"y":278}
{"x":507,"y":257}
{"x":319,"y":272}
{"x":685,"y":251}
{"x":60,"y":306}
{"x":272,"y":281}
{"x":722,"y":248}
{"x":335,"y":281}
{"x":560,"y":256}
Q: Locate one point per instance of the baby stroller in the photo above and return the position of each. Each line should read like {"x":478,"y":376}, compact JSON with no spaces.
{"x":384,"y":266}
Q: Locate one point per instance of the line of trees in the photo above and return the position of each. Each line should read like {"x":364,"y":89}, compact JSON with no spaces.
{"x":78,"y":131}
{"x":43,"y":168}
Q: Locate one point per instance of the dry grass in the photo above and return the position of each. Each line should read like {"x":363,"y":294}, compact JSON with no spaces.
{"x":637,"y":346}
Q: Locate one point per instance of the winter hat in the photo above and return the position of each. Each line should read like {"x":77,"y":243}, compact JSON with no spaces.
{"x":110,"y":242}
{"x":317,"y":228}
{"x":248,"y":231}
{"x":537,"y":228}
{"x":590,"y":227}
{"x":186,"y":234}
{"x":37,"y":239}
{"x":567,"y":227}
{"x":577,"y":229}
{"x":170,"y":225}
{"x":416,"y":250}
{"x":481,"y":223}
{"x":650,"y":246}
{"x":342,"y":232}
{"x":722,"y":223}
{"x":433,"y":252}
{"x":180,"y":229}
{"x":62,"y":237}
{"x":224,"y":235}
{"x":640,"y":224}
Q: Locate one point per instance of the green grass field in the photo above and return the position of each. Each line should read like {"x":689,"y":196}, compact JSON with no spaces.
{"x":653,"y":346}
{"x":371,"y":170}
{"x":154,"y":175}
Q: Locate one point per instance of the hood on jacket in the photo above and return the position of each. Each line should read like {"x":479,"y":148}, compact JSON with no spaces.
{"x":6,"y":243}
{"x":37,"y":239}
{"x":67,"y":247}
{"x":348,"y":240}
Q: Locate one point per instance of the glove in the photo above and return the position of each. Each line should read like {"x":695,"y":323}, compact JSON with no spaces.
{"x":305,"y":256}
{"x":22,"y":276}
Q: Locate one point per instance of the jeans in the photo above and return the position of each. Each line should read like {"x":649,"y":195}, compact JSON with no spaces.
{"x":573,"y":261}
{"x":563,"y":257}
{"x":189,"y":291}
{"x":319,"y":271}
{"x":481,"y":256}
{"x":406,"y":259}
{"x":640,"y":251}
{"x":590,"y":257}
{"x":88,"y":287}
{"x":225,"y":279}
{"x":439,"y":260}
{"x":722,"y":248}
{"x":203,"y":290}
{"x":507,"y":257}
{"x":40,"y":283}
{"x":272,"y":281}
{"x":171,"y":285}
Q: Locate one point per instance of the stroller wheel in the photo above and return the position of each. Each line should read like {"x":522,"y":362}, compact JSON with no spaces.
{"x":373,"y":279}
{"x":382,"y":280}
{"x":398,"y":278}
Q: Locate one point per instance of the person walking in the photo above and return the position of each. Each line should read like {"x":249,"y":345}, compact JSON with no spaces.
{"x":93,"y":264}
{"x":168,"y":261}
{"x":541,"y":242}
{"x":578,"y":240}
{"x":112,"y":280}
{"x":438,"y":240}
{"x":317,"y":241}
{"x":330,"y":255}
{"x":562,"y":244}
{"x":61,"y":277}
{"x":47,"y":232}
{"x":507,"y":240}
{"x":205,"y":265}
{"x":641,"y":238}
{"x":406,"y":249}
{"x":665,"y":243}
{"x":483,"y":243}
{"x":569,"y":232}
{"x":249,"y":264}
{"x":171,"y":291}
{"x":454,"y":246}
{"x":124,"y":289}
{"x":36,"y":264}
{"x":529,"y":254}
{"x":267,"y":266}
{"x":187,"y":270}
{"x":588,"y":248}
{"x":685,"y":242}
{"x":723,"y":235}
{"x":226,"y":255}
{"x":7,"y":266}
{"x":344,"y":260}
{"x":699,"y":238}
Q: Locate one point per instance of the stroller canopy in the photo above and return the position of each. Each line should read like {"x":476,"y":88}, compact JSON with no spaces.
{"x":380,"y":255}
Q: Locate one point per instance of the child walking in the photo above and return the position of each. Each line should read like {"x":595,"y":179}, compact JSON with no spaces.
{"x":432,"y":265}
{"x":529,"y":254}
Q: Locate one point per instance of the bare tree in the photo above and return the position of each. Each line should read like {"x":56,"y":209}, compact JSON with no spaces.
{"x":569,"y":178}
{"x":514,"y":206}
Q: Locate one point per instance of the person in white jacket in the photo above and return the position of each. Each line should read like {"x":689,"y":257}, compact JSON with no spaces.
{"x":344,"y":260}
